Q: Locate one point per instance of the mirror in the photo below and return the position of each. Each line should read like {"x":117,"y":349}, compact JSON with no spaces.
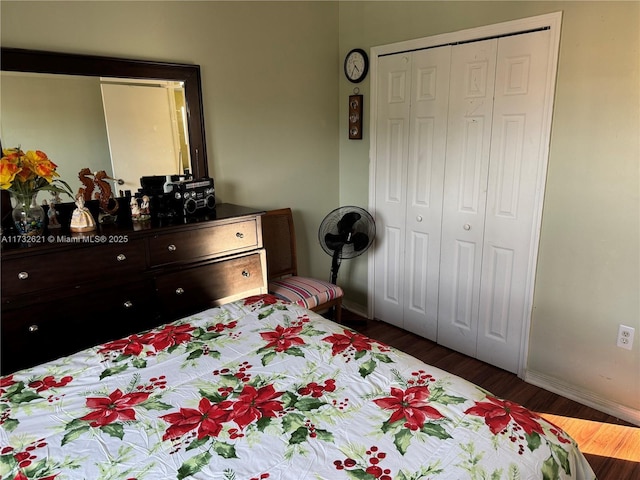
{"x":85,"y":108}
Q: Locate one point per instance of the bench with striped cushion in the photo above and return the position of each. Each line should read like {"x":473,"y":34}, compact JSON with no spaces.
{"x":306,"y":292}
{"x":278,"y":235}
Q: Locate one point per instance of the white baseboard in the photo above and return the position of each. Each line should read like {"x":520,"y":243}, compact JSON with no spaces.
{"x":355,"y":308}
{"x":594,"y":401}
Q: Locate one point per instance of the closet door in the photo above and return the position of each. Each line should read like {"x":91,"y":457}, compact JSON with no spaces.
{"x":493,"y":167}
{"x":413,"y":102}
{"x":516,"y":165}
{"x":394,"y":90}
{"x":465,"y":193}
{"x":427,"y":148}
{"x":460,"y":170}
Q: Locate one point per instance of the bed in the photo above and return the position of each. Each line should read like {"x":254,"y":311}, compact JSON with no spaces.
{"x":261,"y":389}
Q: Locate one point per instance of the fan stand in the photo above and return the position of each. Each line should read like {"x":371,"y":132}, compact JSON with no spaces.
{"x":336,"y":260}
{"x":335,"y":265}
{"x":345,"y":232}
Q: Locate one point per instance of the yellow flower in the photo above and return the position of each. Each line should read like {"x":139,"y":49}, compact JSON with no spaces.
{"x":8,"y":169}
{"x":28,"y":173}
{"x":41,"y":166}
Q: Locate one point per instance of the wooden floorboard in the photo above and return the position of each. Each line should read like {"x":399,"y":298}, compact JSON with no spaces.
{"x":611,"y":445}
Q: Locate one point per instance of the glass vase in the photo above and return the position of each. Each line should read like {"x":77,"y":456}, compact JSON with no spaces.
{"x":28,"y":216}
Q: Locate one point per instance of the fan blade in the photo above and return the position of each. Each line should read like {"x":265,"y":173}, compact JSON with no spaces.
{"x":334,"y":242}
{"x":346,"y":223}
{"x":360,"y":241}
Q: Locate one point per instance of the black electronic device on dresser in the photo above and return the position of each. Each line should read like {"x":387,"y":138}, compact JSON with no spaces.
{"x":174,"y":196}
{"x":61,"y":297}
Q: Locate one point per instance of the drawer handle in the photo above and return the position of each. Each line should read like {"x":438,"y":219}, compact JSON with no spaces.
{"x":240,"y":235}
{"x":179,"y":291}
{"x":246,"y":274}
{"x":128,"y":304}
{"x":23,"y":275}
{"x":121,"y":258}
{"x":33,"y":328}
{"x":172,"y":248}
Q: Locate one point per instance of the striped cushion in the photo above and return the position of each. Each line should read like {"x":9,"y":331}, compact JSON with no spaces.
{"x":306,"y":292}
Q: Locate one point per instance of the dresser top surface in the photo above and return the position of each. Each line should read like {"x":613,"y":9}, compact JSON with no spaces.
{"x":223,"y":212}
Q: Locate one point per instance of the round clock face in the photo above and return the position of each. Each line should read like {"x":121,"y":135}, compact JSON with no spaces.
{"x":356,"y":65}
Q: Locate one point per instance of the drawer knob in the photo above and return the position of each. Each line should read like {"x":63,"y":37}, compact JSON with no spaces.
{"x":240,"y":235}
{"x":172,"y":248}
{"x":246,"y":274}
{"x":121,"y":258}
{"x":23,"y":275}
{"x":128,"y":304}
{"x":33,"y":328}
{"x":179,"y":291}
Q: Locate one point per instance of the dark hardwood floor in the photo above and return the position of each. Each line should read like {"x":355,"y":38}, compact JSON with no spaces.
{"x":611,"y":445}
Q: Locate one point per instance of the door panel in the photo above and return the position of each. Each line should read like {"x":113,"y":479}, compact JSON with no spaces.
{"x":419,"y":253}
{"x":517,"y":162}
{"x":463,"y":300}
{"x":497,"y":277}
{"x":465,"y":189}
{"x":390,"y":183}
{"x":427,"y":148}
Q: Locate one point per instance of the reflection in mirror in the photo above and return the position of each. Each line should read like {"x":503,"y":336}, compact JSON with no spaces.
{"x":146,"y":129}
{"x":128,"y":128}
{"x":75,"y":131}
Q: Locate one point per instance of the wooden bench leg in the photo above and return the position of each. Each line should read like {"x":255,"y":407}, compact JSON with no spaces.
{"x":337,"y":313}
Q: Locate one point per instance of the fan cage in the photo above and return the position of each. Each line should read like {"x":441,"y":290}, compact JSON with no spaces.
{"x":364,"y":225}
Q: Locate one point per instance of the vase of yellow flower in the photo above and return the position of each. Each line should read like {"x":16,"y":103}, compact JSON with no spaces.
{"x":23,"y":175}
{"x":28,"y":216}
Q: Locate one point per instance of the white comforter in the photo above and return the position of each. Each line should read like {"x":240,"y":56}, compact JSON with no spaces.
{"x":258,"y":389}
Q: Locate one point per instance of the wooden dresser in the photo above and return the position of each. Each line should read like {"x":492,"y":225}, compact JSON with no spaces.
{"x":61,"y":296}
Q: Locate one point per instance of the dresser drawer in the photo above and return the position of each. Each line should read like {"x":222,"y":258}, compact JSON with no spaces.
{"x":218,"y":240}
{"x":188,"y":290}
{"x":27,"y":342}
{"x":120,"y":311}
{"x":40,"y":332}
{"x":32,"y":273}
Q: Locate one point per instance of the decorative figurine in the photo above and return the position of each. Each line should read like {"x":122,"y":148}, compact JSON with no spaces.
{"x":135,"y":209}
{"x":81,"y":219}
{"x":52,"y":214}
{"x":87,"y":188}
{"x":145,"y":211}
{"x":108,"y":204}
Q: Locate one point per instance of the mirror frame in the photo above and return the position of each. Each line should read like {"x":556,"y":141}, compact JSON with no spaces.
{"x":40,"y":61}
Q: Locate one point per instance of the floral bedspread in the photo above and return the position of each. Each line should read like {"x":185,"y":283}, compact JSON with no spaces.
{"x":259,"y":389}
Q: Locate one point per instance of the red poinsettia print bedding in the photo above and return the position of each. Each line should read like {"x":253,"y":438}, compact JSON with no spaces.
{"x":260,"y":389}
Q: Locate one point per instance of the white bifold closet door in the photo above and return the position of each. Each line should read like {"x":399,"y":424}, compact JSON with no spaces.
{"x":459,"y":133}
{"x":413,"y":97}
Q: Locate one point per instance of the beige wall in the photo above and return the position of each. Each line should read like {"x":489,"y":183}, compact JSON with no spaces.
{"x":269,"y":80}
{"x":275,"y":112}
{"x":588,"y":278}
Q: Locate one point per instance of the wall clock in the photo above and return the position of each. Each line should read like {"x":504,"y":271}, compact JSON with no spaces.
{"x":356,"y":65}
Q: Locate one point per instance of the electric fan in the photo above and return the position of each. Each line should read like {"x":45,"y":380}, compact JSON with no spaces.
{"x":346,"y":232}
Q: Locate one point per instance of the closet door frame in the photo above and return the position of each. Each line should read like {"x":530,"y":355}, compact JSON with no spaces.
{"x":553,"y":22}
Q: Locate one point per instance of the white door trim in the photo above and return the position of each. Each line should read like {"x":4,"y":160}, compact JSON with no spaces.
{"x":552,"y":21}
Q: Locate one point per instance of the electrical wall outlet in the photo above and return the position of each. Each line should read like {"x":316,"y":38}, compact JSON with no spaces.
{"x":625,"y":337}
